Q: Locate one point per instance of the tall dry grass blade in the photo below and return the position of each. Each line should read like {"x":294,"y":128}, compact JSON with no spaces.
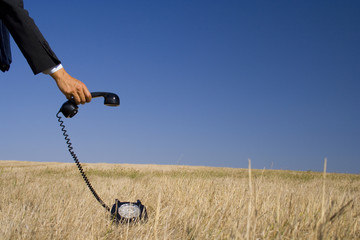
{"x":248,"y":225}
{"x":321,"y":223}
{"x":157,"y":216}
{"x":341,"y":211}
{"x":278,"y":205}
{"x":323,"y":193}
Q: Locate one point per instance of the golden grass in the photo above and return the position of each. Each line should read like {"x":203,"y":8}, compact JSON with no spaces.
{"x":51,"y":201}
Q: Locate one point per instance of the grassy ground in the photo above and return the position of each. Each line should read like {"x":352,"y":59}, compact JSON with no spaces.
{"x":51,"y":201}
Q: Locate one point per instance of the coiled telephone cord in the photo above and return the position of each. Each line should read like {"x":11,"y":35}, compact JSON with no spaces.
{"x":78,"y":163}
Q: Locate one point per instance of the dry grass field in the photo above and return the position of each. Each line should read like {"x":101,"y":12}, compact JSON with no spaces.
{"x":51,"y":201}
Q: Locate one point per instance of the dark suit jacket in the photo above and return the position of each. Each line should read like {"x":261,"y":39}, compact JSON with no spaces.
{"x":27,"y":36}
{"x":5,"y":52}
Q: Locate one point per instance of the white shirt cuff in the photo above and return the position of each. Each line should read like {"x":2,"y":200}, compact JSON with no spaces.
{"x":53,"y":69}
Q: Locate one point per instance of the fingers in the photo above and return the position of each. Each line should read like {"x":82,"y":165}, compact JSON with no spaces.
{"x":82,"y":95}
{"x":68,"y":96}
{"x":76,"y":93}
{"x":71,"y":87}
{"x":88,"y":95}
{"x":85,"y":95}
{"x":77,"y":99}
{"x":80,"y":98}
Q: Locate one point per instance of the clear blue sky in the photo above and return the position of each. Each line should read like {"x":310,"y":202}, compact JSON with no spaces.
{"x":208,"y":83}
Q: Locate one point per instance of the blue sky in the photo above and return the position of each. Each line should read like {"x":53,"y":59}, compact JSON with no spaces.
{"x":208,"y":83}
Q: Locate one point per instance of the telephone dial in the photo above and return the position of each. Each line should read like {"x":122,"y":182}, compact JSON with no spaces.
{"x":121,"y":212}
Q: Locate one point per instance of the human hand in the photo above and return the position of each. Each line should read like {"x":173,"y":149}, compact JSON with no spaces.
{"x":71,"y":87}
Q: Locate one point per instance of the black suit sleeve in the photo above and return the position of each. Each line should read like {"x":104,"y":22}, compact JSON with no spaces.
{"x":27,"y":36}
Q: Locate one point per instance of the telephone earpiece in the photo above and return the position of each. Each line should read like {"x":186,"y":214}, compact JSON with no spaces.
{"x":70,"y":109}
{"x":110,"y":99}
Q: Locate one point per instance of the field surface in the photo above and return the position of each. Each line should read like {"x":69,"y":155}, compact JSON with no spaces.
{"x":51,"y":201}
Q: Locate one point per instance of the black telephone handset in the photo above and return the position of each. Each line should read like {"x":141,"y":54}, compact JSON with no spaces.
{"x":69,"y":108}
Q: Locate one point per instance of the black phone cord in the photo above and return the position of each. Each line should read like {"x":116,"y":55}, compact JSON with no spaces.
{"x":78,"y":163}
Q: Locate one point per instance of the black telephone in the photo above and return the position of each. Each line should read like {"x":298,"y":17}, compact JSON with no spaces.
{"x":121,"y":212}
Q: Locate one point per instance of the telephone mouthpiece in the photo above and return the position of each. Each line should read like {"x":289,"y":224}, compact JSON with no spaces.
{"x":69,"y":109}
